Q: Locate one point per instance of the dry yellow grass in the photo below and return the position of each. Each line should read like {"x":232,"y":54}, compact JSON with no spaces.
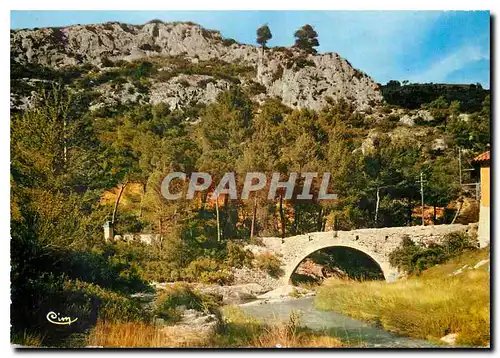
{"x":282,"y":335}
{"x":429,"y":306}
{"x":140,"y":335}
{"x":27,"y":339}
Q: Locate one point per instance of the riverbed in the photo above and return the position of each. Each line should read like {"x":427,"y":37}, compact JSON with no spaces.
{"x":357,"y":333}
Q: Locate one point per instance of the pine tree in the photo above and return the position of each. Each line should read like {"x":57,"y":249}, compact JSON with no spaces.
{"x":263,"y":35}
{"x":306,"y":38}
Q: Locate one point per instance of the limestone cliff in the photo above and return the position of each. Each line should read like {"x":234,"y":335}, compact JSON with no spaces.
{"x":300,"y":80}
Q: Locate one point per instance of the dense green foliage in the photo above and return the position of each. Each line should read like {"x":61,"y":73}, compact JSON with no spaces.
{"x":269,"y":263}
{"x":414,"y":95}
{"x":263,"y":35}
{"x":414,"y":258}
{"x":306,"y":39}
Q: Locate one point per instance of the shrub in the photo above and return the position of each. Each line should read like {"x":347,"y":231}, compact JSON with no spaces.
{"x":109,"y":305}
{"x":269,"y":263}
{"x":393,"y":118}
{"x":228,"y":42}
{"x":148,"y":47}
{"x":386,"y":109}
{"x":216,"y":68}
{"x":457,"y":242}
{"x":114,"y":268}
{"x":155,"y":21}
{"x":70,"y":298}
{"x":168,"y":304}
{"x":203,"y":83}
{"x":278,"y":74}
{"x":358,"y":74}
{"x":208,"y":271}
{"x":303,"y":62}
{"x":106,"y":62}
{"x":414,"y":258}
{"x":386,"y":125}
{"x":256,"y":88}
{"x":237,"y":256}
{"x":184,"y":83}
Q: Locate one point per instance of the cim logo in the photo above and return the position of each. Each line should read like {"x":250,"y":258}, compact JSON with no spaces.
{"x":55,"y":318}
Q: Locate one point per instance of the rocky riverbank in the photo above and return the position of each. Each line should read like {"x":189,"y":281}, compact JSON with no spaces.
{"x":197,"y":323}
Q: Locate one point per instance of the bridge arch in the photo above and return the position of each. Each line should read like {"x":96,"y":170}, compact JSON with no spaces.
{"x":381,"y":262}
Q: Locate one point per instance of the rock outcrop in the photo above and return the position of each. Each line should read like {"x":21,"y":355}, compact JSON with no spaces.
{"x":300,"y":80}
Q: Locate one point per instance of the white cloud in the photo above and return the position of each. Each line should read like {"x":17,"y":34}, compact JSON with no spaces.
{"x":450,"y":63}
{"x":374,"y":41}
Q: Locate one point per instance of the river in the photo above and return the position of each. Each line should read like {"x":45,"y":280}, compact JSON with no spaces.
{"x":356,"y":332}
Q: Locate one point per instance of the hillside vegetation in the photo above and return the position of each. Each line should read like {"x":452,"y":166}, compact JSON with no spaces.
{"x":414,"y":95}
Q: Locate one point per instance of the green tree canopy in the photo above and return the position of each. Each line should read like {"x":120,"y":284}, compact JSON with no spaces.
{"x":306,"y":39}
{"x":263,"y":35}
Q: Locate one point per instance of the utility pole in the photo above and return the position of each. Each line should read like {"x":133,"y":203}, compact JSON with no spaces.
{"x":218,"y":220}
{"x":460,"y":165}
{"x":422,"y":195}
{"x":377,"y":205}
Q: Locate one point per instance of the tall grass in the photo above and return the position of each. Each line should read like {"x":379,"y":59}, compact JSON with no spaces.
{"x":27,"y":339}
{"x":429,"y":306}
{"x":243,"y":330}
{"x":139,"y":335}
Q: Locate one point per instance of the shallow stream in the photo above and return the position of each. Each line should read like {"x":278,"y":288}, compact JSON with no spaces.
{"x":358,"y":333}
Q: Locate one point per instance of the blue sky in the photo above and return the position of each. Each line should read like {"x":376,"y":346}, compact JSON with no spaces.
{"x":419,"y":46}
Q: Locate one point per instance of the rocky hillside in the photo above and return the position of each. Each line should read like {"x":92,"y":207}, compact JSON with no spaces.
{"x":190,"y":65}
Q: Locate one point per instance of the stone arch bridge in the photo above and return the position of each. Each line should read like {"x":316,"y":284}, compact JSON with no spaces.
{"x":376,"y":243}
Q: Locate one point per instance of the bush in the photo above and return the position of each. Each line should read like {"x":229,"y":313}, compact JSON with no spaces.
{"x":208,"y":271}
{"x":237,"y":256}
{"x":114,"y":268}
{"x":386,"y":109}
{"x":269,"y":263}
{"x":458,"y":242}
{"x":393,"y":117}
{"x":215,"y":68}
{"x":106,"y":62}
{"x":109,"y":305}
{"x":203,"y":83}
{"x":168,"y":304}
{"x":386,"y":125}
{"x":414,"y":258}
{"x":278,"y":74}
{"x":228,"y":42}
{"x":256,"y":88}
{"x":303,"y":62}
